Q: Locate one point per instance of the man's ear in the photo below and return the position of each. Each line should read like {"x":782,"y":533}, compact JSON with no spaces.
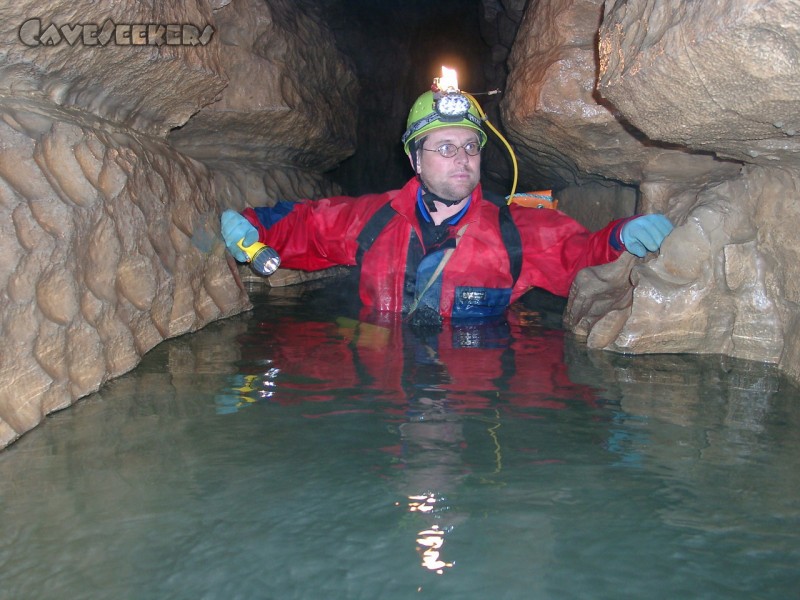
{"x":414,"y":154}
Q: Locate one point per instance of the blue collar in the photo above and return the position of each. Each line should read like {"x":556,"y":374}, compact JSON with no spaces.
{"x":450,"y":220}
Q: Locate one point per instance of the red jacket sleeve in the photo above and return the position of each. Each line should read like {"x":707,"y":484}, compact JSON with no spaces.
{"x":555,"y":247}
{"x":318,"y":234}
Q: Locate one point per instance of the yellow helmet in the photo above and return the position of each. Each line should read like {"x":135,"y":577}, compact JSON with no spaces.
{"x":433,"y":110}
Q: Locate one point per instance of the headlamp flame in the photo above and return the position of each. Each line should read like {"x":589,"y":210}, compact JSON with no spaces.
{"x":449,"y":103}
{"x":448,"y":82}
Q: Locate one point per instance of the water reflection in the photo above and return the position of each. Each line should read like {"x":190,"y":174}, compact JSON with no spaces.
{"x":707,"y":427}
{"x":446,"y":393}
{"x":680,"y":418}
{"x":306,"y":450}
{"x":473,"y":365}
{"x":430,"y":541}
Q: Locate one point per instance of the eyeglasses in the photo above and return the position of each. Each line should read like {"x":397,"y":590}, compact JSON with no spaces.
{"x":450,"y":150}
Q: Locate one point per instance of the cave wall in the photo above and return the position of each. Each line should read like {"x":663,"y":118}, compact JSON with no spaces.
{"x":694,"y":105}
{"x":116,"y":159}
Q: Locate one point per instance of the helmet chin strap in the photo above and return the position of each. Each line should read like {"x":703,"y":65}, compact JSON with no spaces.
{"x":428,"y":197}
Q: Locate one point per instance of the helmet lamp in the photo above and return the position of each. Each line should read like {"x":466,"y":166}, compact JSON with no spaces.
{"x":452,"y":106}
{"x":444,"y":105}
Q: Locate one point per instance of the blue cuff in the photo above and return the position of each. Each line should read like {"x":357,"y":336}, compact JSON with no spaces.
{"x":269,"y":215}
{"x":615,"y":238}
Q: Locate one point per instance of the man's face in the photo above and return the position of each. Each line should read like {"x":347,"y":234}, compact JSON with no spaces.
{"x":449,"y":178}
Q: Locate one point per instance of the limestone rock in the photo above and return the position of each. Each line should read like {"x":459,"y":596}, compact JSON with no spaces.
{"x":110,"y":234}
{"x":72,"y":55}
{"x":109,"y":246}
{"x":719,"y":77}
{"x":724,"y":279}
{"x":563,"y":130}
{"x":289,"y":100}
{"x":716,"y":287}
{"x":672,"y":88}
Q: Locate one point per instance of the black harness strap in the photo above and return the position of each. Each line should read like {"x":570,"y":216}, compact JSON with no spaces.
{"x":512,"y":241}
{"x":373,"y":229}
{"x":509,"y":232}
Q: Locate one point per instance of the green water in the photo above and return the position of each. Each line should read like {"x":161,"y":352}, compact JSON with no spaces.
{"x":295,"y":452}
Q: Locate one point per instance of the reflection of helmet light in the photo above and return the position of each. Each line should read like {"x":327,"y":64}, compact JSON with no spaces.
{"x":452,"y":106}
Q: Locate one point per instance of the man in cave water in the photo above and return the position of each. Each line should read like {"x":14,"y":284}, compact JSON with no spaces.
{"x":438,"y":246}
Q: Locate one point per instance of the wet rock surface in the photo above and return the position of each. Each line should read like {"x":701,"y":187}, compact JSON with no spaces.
{"x":110,"y":226}
{"x":694,"y":106}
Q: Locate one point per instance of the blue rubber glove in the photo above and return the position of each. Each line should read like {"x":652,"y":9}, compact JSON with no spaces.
{"x":645,"y":233}
{"x":234,"y":228}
